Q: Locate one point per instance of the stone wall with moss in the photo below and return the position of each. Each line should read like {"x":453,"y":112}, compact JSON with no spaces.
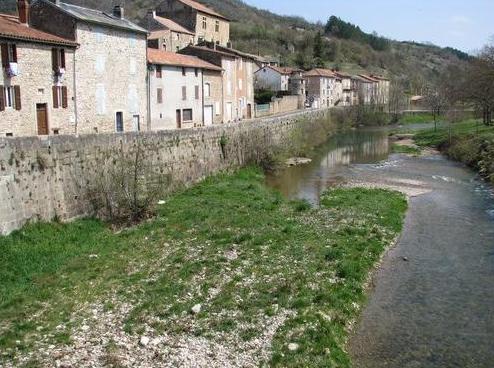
{"x":44,"y":178}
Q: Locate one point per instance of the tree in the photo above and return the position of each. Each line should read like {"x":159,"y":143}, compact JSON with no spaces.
{"x":435,"y":101}
{"x":318,"y":50}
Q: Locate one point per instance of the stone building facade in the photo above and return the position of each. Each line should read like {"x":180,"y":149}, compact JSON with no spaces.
{"x":181,"y":96}
{"x":36,"y":79}
{"x":205,"y":23}
{"x":166,"y":34}
{"x":110,"y":65}
{"x":238,"y":78}
{"x":324,"y":88}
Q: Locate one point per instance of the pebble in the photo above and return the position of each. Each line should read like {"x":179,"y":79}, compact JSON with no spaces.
{"x":405,"y":259}
{"x":196,"y":309}
{"x":292,"y":346}
{"x":144,"y":341}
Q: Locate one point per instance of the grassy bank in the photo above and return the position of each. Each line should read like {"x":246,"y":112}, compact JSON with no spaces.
{"x":420,"y":118}
{"x":228,"y":274}
{"x":469,"y":142}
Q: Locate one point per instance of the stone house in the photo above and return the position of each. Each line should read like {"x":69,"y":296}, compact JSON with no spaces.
{"x":324,"y":88}
{"x":383,"y":89}
{"x":366,"y":91}
{"x":349,"y":89}
{"x":185,"y":91}
{"x":167,"y":35}
{"x":110,"y":64}
{"x":277,"y":79}
{"x":36,"y":79}
{"x":205,"y":23}
{"x":238,"y":78}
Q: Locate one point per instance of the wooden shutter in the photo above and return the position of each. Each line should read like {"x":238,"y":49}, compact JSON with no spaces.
{"x":5,"y":55}
{"x":55,"y":97}
{"x":160,"y":95}
{"x":2,"y":98}
{"x":197,"y":92}
{"x":54,"y":59}
{"x":159,"y":73}
{"x":62,"y":58}
{"x":64,"y":97}
{"x":17,"y":93}
{"x":14,"y":53}
{"x":184,"y":93}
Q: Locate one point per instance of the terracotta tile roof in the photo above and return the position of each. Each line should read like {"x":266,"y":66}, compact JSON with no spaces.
{"x":172,"y":26}
{"x":11,"y":27}
{"x":285,"y":70}
{"x":161,"y":57}
{"x":369,"y":78}
{"x":378,"y":77}
{"x":202,"y":8}
{"x":320,"y":73}
{"x":222,"y":51}
{"x":343,"y":75}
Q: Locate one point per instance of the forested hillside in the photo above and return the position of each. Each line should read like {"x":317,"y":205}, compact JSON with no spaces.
{"x":337,"y":44}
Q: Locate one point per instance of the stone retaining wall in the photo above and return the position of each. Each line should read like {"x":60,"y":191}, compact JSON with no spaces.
{"x":41,"y":178}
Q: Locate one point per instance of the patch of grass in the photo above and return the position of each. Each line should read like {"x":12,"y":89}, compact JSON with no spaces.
{"x":231,"y":244}
{"x":418,"y":119}
{"x":409,"y":150}
{"x":469,"y":142}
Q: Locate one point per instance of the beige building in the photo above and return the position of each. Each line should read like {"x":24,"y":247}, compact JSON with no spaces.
{"x":205,"y":23}
{"x":110,"y":64}
{"x":324,"y":88}
{"x":36,"y":79}
{"x":383,"y":89}
{"x":238,"y":78}
{"x":185,"y":91}
{"x":167,"y":35}
{"x":349,"y":89}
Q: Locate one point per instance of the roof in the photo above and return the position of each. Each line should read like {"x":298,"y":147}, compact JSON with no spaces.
{"x":202,"y":8}
{"x":320,"y":73}
{"x":171,"y":25}
{"x":97,"y":16}
{"x":11,"y":27}
{"x":371,"y":79}
{"x":284,"y":70}
{"x":222,"y":51}
{"x":361,"y":79}
{"x":161,"y":57}
{"x":378,"y":77}
{"x":343,"y":75}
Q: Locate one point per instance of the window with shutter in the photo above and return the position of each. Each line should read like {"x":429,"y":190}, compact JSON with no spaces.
{"x":197,"y":92}
{"x":55,"y":97}
{"x":5,"y":55}
{"x":184,"y":93}
{"x":187,"y":114}
{"x":54,"y":60}
{"x":159,"y":73}
{"x":17,"y":92}
{"x":2,"y":99}
{"x":64,"y":97}
{"x":62,"y":58}
{"x":160,"y":95}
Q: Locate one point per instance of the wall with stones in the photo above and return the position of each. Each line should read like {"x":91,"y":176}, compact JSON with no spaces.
{"x":42,"y":178}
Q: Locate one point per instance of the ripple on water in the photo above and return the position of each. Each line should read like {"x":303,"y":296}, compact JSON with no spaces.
{"x":490,"y":213}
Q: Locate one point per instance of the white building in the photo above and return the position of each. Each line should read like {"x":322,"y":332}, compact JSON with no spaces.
{"x":275,"y":78}
{"x":324,"y":88}
{"x":183,"y":91}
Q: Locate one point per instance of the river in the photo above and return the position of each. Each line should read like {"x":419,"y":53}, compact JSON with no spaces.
{"x":432,"y":301}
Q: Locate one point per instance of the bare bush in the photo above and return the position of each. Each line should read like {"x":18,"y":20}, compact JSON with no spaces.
{"x":126,"y":187}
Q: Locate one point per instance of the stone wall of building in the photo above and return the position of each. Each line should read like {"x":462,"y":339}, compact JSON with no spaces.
{"x":44,"y":178}
{"x":36,"y":80}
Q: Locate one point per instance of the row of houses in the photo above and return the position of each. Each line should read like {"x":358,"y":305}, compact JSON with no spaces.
{"x":324,"y":88}
{"x":67,"y":69}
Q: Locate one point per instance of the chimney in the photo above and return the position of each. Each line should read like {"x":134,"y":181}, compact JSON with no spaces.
{"x":23,"y":10}
{"x":118,"y":12}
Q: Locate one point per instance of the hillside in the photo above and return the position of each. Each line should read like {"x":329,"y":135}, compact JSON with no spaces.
{"x":296,"y":42}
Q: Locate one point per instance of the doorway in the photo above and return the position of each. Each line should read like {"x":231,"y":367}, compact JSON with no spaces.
{"x":208,"y":115}
{"x":179,"y":119}
{"x":42,"y":118}
{"x":119,"y":125}
{"x":249,"y":111}
{"x":136,"y":125}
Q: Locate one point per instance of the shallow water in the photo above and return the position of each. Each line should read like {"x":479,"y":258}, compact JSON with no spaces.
{"x":437,"y":309}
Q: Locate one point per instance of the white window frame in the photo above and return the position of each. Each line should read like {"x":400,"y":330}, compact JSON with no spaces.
{"x":204,"y":22}
{"x":207,"y":89}
{"x":59,"y":96}
{"x":9,"y":97}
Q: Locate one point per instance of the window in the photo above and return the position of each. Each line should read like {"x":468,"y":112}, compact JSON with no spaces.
{"x":57,"y":97}
{"x":9,"y":54}
{"x":164,"y":45}
{"x":217,"y":108}
{"x":197,"y":92}
{"x":183,"y":72}
{"x":229,"y":87}
{"x":119,"y":126}
{"x":240,"y":84}
{"x":196,"y":72}
{"x":184,"y":93}
{"x":207,"y":90}
{"x":187,"y":114}
{"x":159,"y":95}
{"x":217,"y":26}
{"x":159,"y":73}
{"x":204,"y":22}
{"x":58,"y":60}
{"x":9,"y":97}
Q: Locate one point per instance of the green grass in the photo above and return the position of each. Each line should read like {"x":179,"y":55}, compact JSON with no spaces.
{"x":409,"y":150}
{"x":247,"y":255}
{"x":418,"y":119}
{"x":469,"y":142}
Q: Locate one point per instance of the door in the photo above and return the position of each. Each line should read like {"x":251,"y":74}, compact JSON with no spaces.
{"x":42,"y":117}
{"x":249,"y":111}
{"x":119,"y":125}
{"x":208,"y":115}
{"x":136,"y":125}
{"x":179,"y":119}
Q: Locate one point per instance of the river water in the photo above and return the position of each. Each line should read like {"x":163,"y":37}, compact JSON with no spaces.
{"x":437,"y":308}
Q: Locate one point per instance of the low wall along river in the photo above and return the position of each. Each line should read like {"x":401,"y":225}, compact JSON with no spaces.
{"x":40,"y":178}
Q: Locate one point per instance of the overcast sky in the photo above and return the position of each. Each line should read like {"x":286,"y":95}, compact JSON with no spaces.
{"x":463,"y":24}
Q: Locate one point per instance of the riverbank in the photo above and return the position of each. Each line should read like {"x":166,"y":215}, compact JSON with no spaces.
{"x":229,"y":274}
{"x":469,"y":142}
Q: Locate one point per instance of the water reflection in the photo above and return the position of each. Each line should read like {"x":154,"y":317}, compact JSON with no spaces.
{"x":329,"y":161}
